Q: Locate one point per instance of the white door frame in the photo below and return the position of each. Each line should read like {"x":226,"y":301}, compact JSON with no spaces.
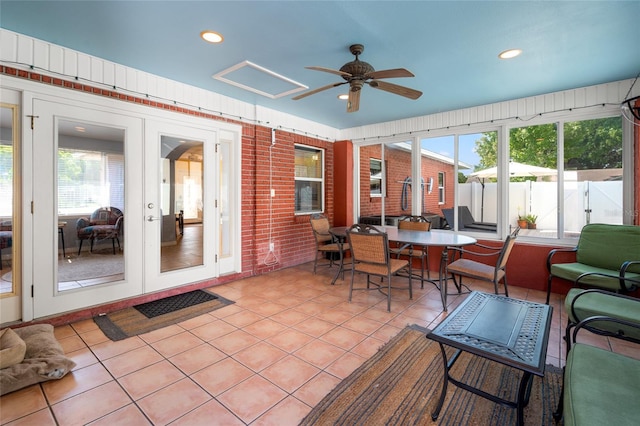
{"x":47,"y":299}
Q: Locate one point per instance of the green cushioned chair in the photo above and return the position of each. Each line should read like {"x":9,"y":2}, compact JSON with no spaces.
{"x":582,"y":304}
{"x":600,"y":387}
{"x":610,"y":251}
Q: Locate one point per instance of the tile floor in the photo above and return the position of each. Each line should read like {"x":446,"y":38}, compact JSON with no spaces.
{"x":265,"y":360}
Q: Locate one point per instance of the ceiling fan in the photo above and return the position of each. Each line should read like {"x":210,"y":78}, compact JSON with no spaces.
{"x":357,"y":73}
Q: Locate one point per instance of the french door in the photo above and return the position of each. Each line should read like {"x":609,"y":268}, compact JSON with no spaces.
{"x":87,"y":201}
{"x":180,"y":204}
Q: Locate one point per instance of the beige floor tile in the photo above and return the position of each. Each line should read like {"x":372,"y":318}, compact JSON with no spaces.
{"x":290,"y":340}
{"x":259,"y":356}
{"x":21,"y":403}
{"x":234,"y":342}
{"x":176,"y":344}
{"x":173,"y":401}
{"x":221,"y":376}
{"x":252,"y":398}
{"x":150,"y":379}
{"x":345,"y":365}
{"x":319,"y":353}
{"x":204,"y":414}
{"x":82,"y":408}
{"x":343,"y":337}
{"x":129,"y":415}
{"x":76,"y":382}
{"x":212,"y":330}
{"x":110,"y":349}
{"x":312,"y":392}
{"x":287,"y":412}
{"x":132,"y":361}
{"x":197,"y":358}
{"x":43,"y":417}
{"x":290,"y":373}
{"x":264,"y":328}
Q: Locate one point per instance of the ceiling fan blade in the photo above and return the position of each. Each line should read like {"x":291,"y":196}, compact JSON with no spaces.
{"x":394,"y":73}
{"x":353,"y":104}
{"x":319,"y":89}
{"x":394,"y":88}
{"x":330,"y":70}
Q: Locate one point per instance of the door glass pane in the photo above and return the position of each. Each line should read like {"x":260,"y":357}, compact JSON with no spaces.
{"x":182,"y":192}
{"x":225,"y":199}
{"x":592,"y":173}
{"x":372,"y":184}
{"x":90,"y":202}
{"x":8,"y":116}
{"x":533,"y":179}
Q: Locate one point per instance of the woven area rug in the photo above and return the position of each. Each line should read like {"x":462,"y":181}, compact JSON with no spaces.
{"x":132,"y":321}
{"x":401,"y":384}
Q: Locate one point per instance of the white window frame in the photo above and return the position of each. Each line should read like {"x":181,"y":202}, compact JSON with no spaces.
{"x":380,"y":179}
{"x":441,"y":187}
{"x":297,"y":178}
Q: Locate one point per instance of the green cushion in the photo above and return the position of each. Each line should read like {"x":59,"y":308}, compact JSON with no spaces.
{"x":609,"y":246}
{"x":601,"y":388}
{"x":611,"y":305}
{"x":571,"y":271}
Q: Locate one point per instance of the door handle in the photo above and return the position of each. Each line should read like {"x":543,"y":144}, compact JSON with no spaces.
{"x":152,"y":218}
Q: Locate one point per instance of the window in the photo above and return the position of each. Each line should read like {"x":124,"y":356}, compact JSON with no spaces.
{"x":375,"y":177}
{"x":590,"y":187}
{"x":88,"y":180}
{"x":441,"y":182}
{"x":309,"y":180}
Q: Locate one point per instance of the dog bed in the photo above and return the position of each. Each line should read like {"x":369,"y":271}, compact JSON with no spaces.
{"x":43,"y":359}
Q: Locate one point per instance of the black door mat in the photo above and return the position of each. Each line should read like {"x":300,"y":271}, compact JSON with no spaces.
{"x":131,"y":321}
{"x":174,"y":303}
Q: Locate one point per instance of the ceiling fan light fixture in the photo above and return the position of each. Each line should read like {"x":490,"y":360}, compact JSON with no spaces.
{"x":343,"y":96}
{"x":509,"y":53}
{"x":211,"y":36}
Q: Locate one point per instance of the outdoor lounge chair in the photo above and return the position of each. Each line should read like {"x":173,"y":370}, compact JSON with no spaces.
{"x":466,"y":221}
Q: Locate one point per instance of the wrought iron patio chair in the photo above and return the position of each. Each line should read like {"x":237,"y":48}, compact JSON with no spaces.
{"x":371,"y":256}
{"x":327,"y":245}
{"x":415,"y":223}
{"x":481,"y":271}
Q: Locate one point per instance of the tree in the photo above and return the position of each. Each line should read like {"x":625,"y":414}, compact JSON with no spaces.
{"x":588,"y":144}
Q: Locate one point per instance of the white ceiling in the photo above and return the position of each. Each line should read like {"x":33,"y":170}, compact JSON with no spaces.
{"x":450,"y":46}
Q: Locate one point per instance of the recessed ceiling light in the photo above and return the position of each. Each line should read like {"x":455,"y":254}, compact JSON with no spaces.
{"x":343,"y":97}
{"x":211,"y":36}
{"x":511,"y":53}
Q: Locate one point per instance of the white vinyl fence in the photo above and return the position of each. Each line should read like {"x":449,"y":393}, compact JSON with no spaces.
{"x":584,"y":202}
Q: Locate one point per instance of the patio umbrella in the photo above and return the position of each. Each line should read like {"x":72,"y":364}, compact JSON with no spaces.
{"x":515,"y":170}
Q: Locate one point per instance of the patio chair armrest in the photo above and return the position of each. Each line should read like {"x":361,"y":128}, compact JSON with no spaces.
{"x":461,"y":251}
{"x":596,"y":292}
{"x":622,"y":323}
{"x":635,"y":282}
{"x":626,"y":265}
{"x":555,"y":251}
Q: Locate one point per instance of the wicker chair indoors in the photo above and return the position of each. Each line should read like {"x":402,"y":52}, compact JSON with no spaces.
{"x":415,"y":223}
{"x":105,"y":223}
{"x":326,"y":244}
{"x":481,"y":271}
{"x":371,"y":256}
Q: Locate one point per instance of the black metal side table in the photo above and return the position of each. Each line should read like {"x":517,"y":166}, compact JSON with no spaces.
{"x":509,"y":331}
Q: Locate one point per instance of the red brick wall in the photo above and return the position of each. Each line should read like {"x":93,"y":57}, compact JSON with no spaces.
{"x":290,"y":234}
{"x":398,"y":165}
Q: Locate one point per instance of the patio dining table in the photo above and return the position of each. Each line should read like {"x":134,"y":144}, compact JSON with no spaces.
{"x":433,"y":238}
